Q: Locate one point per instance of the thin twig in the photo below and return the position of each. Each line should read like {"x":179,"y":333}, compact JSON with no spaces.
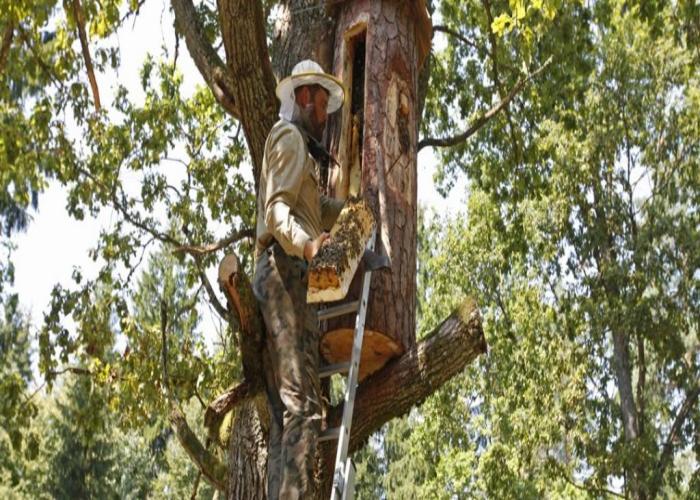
{"x":196,"y":485}
{"x":220,"y":309}
{"x":455,"y":34}
{"x":164,"y":346}
{"x":80,"y":23}
{"x":143,"y":253}
{"x":483,"y":119}
{"x":581,"y":487}
{"x":44,"y":65}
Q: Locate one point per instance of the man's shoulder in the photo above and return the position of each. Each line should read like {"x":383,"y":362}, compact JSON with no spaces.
{"x":286,"y":130}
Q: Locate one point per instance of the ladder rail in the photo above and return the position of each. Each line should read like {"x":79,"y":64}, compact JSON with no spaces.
{"x":341,"y":477}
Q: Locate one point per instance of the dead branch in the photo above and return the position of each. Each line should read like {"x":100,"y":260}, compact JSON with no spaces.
{"x":5,"y":45}
{"x":220,"y":309}
{"x":483,"y":119}
{"x":80,"y":23}
{"x":200,"y":251}
{"x":239,"y":295}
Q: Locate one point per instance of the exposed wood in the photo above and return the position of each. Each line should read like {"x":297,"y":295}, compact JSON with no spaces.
{"x":239,"y":295}
{"x":208,"y":62}
{"x":243,"y":32}
{"x":80,"y":23}
{"x":408,"y":380}
{"x":389,"y":121}
{"x":377,"y":349}
{"x":335,"y":264}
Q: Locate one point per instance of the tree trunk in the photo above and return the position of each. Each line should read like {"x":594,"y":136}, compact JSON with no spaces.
{"x":395,"y":37}
{"x":378,"y":50}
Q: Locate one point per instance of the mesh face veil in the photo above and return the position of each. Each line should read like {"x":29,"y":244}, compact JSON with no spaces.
{"x":308,"y":72}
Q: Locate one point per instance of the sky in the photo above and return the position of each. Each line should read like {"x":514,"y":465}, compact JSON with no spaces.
{"x":55,"y":244}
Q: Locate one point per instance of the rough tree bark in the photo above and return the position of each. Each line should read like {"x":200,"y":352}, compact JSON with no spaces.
{"x":244,"y":86}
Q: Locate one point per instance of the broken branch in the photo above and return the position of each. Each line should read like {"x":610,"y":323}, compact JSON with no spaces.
{"x":224,"y":403}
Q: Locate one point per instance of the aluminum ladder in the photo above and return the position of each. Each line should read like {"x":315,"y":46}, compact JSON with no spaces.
{"x":344,"y":475}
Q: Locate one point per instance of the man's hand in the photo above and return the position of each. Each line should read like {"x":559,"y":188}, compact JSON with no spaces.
{"x":312,"y":247}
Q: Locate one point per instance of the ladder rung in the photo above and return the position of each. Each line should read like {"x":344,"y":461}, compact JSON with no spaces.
{"x":328,"y":370}
{"x":334,"y":311}
{"x":329,"y":434}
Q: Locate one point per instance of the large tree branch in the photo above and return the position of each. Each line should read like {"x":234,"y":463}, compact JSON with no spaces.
{"x":243,"y":32}
{"x":483,"y":119}
{"x":199,"y":251}
{"x":212,"y":469}
{"x":408,"y":380}
{"x":80,"y":24}
{"x":213,"y":70}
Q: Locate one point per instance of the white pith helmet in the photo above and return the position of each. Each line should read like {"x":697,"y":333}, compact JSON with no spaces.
{"x":308,"y":72}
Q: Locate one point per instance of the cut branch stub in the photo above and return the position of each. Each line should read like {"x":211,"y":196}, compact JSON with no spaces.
{"x":239,"y":295}
{"x":409,"y":379}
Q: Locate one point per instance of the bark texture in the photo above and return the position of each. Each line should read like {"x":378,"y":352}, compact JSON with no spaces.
{"x":243,"y":31}
{"x":394,"y":47}
{"x":247,"y":454}
{"x":408,"y":380}
{"x":388,"y":120}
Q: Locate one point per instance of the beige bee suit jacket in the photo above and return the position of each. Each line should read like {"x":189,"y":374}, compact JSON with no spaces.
{"x":290,"y":207}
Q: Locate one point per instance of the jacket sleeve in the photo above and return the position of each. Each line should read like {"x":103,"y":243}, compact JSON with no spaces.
{"x":285,"y":170}
{"x":330,"y":210}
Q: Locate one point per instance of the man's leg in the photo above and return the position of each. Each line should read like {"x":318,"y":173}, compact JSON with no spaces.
{"x":292,"y":345}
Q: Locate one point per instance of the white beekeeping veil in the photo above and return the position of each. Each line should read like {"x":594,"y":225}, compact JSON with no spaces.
{"x":308,"y":72}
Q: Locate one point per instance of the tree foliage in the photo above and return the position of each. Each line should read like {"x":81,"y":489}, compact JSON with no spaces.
{"x":579,"y":240}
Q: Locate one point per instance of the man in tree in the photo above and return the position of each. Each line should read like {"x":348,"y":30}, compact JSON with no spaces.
{"x":292,"y":217}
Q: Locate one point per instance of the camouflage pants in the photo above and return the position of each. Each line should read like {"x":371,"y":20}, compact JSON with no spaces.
{"x":293,"y":389}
